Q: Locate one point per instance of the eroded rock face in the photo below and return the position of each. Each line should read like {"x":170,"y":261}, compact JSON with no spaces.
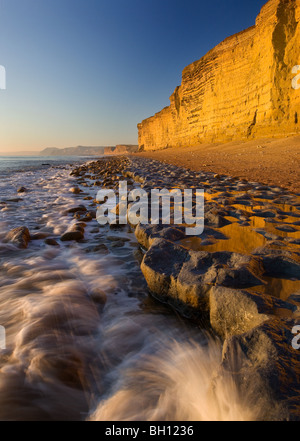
{"x":18,"y":236}
{"x":241,"y":89}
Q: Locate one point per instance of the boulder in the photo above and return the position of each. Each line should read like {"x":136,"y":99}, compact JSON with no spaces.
{"x":75,"y":232}
{"x":75,"y":190}
{"x":52,"y":242}
{"x":146,"y":234}
{"x":264,"y":364}
{"x":279,"y":263}
{"x":19,"y":236}
{"x":39,"y":236}
{"x":185,"y":277}
{"x":78,"y":209}
{"x":234,"y":311}
{"x":214,"y":219}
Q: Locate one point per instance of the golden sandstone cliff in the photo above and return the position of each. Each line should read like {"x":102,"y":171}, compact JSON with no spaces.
{"x":241,"y":89}
{"x":121,"y":149}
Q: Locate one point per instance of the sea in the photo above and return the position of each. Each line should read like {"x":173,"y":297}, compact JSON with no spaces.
{"x":83,"y":339}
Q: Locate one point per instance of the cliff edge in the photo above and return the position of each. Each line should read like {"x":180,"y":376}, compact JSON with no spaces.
{"x":244,"y":88}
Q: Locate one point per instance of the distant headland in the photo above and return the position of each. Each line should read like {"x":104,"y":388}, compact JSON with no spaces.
{"x":78,"y":151}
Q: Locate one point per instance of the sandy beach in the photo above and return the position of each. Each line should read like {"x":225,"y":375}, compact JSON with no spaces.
{"x":269,"y":161}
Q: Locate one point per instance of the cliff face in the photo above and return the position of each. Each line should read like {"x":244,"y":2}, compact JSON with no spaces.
{"x":121,"y":149}
{"x":241,"y":89}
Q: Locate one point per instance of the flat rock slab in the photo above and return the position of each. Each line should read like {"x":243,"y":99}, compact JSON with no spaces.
{"x":234,"y":311}
{"x":280,"y":263}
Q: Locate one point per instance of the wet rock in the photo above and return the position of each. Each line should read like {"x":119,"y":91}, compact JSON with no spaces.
{"x":78,"y":209}
{"x":286,"y":228}
{"x":52,"y":242}
{"x":101,"y":249}
{"x":117,"y":239}
{"x":22,"y":190}
{"x":186,"y":277}
{"x":265,"y":213}
{"x":75,"y":232}
{"x":39,"y":236}
{"x":98,"y":296}
{"x":15,"y":200}
{"x":75,"y":190}
{"x":234,"y":312}
{"x":265,"y":356}
{"x":75,"y":173}
{"x":214,"y":219}
{"x":280,"y":264}
{"x":18,"y":236}
{"x":268,"y":235}
{"x":161,"y":266}
{"x":292,"y":240}
{"x":146,"y":234}
{"x":87,"y":218}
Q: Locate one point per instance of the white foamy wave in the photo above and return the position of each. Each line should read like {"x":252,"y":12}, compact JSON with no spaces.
{"x":69,"y":357}
{"x":180,"y":383}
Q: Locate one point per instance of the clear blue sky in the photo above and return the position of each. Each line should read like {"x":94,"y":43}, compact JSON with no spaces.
{"x":85,"y":72}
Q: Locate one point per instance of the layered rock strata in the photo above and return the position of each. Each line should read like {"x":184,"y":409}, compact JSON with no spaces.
{"x":246,"y":87}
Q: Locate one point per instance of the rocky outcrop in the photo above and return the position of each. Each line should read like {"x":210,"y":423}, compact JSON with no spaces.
{"x":264,"y":356}
{"x":185,"y":278}
{"x":241,"y":89}
{"x":73,"y":151}
{"x":109,"y":150}
{"x":235,"y":312}
{"x":121,"y":149}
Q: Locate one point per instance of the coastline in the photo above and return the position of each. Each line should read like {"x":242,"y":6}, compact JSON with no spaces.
{"x":271,"y":161}
{"x":237,"y":283}
{"x":240,"y":279}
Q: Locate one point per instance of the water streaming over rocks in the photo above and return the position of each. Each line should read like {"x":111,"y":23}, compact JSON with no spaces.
{"x":84,"y":340}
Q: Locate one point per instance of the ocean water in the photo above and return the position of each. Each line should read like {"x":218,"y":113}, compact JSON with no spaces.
{"x":20,"y":164}
{"x":83,"y":339}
